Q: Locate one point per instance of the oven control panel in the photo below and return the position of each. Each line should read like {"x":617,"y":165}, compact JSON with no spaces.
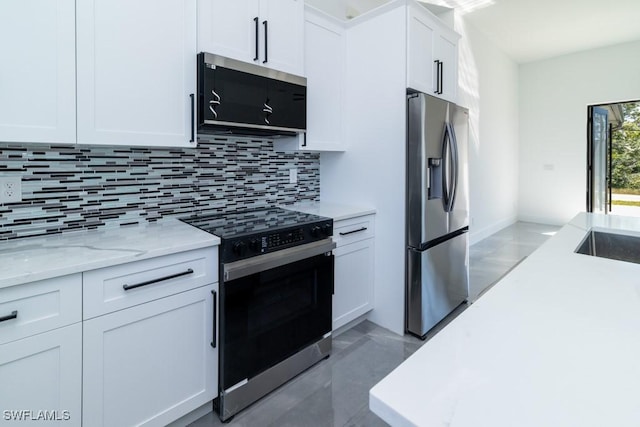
{"x":261,"y":243}
{"x":275,"y":240}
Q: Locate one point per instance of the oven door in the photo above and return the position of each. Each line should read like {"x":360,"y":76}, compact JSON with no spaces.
{"x":273,"y":306}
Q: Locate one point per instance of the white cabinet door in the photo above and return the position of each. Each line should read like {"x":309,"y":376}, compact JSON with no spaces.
{"x":324,"y":62}
{"x":420,"y":60}
{"x":136,"y":72}
{"x":432,"y":55}
{"x":42,"y":373}
{"x":37,"y":76}
{"x":446,"y":50}
{"x":264,"y":32}
{"x":152,"y":363}
{"x":230,"y":28}
{"x":354,"y":289}
{"x":282,"y":24}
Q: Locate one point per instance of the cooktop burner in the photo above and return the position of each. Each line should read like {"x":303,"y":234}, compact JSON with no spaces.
{"x":249,"y":233}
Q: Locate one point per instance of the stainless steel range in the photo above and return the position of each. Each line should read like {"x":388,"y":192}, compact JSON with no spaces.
{"x":276,"y":285}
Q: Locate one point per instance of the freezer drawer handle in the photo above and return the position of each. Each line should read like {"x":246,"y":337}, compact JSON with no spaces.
{"x":13,"y":315}
{"x":152,"y":281}
{"x":352,"y":231}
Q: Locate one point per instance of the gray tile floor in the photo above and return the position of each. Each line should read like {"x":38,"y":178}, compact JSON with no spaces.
{"x":335,"y":391}
{"x":494,"y":256}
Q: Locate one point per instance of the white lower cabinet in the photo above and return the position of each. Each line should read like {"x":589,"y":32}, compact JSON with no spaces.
{"x":354,"y":258}
{"x":41,"y":379}
{"x":152,"y":363}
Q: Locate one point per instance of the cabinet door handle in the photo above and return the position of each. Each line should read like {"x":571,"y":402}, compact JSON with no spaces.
{"x":257,"y":37}
{"x":437,"y":67}
{"x":304,"y":140}
{"x":161,"y":279}
{"x":193,"y":117}
{"x":13,"y":315}
{"x":440,"y":72}
{"x":266,"y":42}
{"x":215,"y":319}
{"x":352,"y":231}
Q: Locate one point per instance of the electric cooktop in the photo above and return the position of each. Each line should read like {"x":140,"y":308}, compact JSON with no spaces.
{"x":249,"y":233}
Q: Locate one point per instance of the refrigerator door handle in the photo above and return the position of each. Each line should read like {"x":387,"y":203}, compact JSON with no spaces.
{"x":455,"y":172}
{"x":446,"y":165}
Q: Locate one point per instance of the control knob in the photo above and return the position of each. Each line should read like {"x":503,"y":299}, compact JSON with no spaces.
{"x":239,"y":248}
{"x":315,"y":231}
{"x":326,"y":229}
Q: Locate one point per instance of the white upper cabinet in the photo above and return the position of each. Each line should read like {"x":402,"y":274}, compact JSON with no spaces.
{"x":37,"y":76}
{"x":446,"y":51}
{"x":420,"y":68}
{"x":136,"y":72}
{"x":432,"y":54}
{"x":283,"y":24}
{"x":325,"y":51}
{"x":230,"y":28}
{"x":264,"y":32}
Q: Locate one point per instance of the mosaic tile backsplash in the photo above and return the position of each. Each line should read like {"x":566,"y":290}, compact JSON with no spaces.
{"x":71,"y":187}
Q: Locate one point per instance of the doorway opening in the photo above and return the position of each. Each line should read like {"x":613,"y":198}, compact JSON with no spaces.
{"x":613,"y":158}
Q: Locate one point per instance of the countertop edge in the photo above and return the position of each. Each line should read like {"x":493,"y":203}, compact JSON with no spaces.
{"x":335,"y":211}
{"x":106,"y":254}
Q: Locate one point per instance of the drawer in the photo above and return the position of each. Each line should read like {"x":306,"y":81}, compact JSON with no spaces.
{"x":114,"y":288}
{"x":40,"y":306}
{"x":353,"y":229}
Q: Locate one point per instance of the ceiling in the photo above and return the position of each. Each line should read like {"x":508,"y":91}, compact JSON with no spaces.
{"x":531,"y":30}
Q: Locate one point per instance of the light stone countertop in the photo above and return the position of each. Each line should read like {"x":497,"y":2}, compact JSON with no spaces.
{"x":554,"y":343}
{"x":330,"y":210}
{"x":37,"y":258}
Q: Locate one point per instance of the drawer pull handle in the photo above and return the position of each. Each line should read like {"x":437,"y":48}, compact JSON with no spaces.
{"x":353,"y":231}
{"x":161,"y":279}
{"x":13,"y":315}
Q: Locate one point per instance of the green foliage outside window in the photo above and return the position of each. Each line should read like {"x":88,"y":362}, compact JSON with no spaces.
{"x":626,"y":151}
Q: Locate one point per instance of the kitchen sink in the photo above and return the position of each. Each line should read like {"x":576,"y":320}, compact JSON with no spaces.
{"x":622,"y":247}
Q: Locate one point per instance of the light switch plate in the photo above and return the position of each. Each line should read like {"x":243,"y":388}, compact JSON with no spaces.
{"x":10,"y":189}
{"x":293,"y":176}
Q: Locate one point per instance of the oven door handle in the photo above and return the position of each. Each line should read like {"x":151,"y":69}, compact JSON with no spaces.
{"x":245,"y":267}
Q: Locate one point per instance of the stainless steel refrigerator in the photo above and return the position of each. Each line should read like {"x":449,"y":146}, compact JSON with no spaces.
{"x":437,"y":278}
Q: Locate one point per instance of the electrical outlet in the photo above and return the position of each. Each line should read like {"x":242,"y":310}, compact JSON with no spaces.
{"x":10,"y":189}
{"x":293,"y":176}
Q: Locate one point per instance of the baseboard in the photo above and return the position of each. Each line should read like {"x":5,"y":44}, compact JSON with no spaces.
{"x":192,"y":416}
{"x":541,"y":220}
{"x":477,"y":235}
{"x":349,"y":325}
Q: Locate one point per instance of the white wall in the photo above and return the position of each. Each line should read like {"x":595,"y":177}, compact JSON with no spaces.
{"x":372,"y":170}
{"x":554,"y":95}
{"x":489,"y":89}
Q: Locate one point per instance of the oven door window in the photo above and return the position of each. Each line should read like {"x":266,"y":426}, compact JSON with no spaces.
{"x":271,"y":315}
